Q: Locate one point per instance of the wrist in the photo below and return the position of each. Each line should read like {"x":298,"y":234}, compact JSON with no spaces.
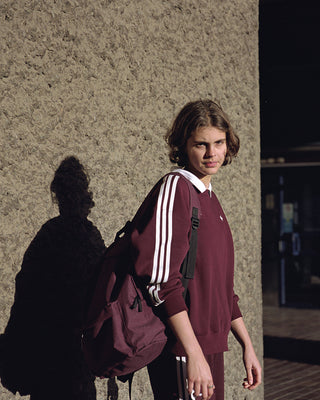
{"x":193,"y":350}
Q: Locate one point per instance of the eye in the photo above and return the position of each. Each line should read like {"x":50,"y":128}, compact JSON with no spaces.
{"x":200,"y":145}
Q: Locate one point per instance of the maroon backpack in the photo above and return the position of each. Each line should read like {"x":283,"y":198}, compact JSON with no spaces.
{"x":122,"y":333}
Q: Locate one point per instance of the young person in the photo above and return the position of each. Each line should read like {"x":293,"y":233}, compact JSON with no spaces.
{"x":201,"y":140}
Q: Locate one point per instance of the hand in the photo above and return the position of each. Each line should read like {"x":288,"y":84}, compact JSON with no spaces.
{"x":199,"y":373}
{"x":250,"y":360}
{"x":253,"y":369}
{"x":199,"y":376}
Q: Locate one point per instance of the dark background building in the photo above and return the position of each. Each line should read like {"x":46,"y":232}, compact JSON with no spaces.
{"x":290,"y":151}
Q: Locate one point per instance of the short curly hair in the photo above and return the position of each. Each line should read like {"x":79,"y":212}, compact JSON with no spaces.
{"x":70,"y":188}
{"x":195,"y":115}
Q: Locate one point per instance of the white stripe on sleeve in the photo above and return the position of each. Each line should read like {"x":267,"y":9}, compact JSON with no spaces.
{"x":163,"y":236}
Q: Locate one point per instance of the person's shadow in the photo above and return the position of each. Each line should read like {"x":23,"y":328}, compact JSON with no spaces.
{"x":41,"y":345}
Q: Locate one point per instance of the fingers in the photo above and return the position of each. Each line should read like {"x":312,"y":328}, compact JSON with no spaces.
{"x":197,"y":389}
{"x":245,"y":383}
{"x":249,"y":376}
{"x":252,"y":380}
{"x":210,"y":388}
{"x":253,"y":369}
{"x":204,"y":390}
{"x":199,"y":377}
{"x":256,"y":379}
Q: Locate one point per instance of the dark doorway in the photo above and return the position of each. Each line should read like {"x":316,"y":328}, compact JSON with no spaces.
{"x":291,"y":236}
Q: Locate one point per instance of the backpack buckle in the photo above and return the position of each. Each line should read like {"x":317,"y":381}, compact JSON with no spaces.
{"x":195,"y":222}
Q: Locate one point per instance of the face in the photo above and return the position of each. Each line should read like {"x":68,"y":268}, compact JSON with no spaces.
{"x":206,"y":150}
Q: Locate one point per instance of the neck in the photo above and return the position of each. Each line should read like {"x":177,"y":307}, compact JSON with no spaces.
{"x":206,"y":180}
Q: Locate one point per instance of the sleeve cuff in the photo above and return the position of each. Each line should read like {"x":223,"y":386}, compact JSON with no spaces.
{"x":236,"y":313}
{"x":174,"y":304}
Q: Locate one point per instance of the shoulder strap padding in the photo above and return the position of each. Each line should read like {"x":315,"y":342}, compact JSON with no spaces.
{"x":189,"y":263}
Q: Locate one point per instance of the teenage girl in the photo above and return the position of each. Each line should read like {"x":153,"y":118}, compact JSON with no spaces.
{"x":201,"y":140}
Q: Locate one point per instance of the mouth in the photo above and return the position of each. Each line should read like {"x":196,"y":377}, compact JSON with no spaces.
{"x":211,"y":164}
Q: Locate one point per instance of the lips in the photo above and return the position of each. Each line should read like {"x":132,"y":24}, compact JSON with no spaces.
{"x":211,"y":164}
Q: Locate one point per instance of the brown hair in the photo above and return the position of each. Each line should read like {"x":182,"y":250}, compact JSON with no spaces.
{"x":194,"y":115}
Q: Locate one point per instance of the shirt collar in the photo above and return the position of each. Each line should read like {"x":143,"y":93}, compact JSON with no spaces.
{"x":194,"y":180}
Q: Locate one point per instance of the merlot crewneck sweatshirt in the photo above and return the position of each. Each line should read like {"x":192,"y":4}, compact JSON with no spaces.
{"x":160,"y":241}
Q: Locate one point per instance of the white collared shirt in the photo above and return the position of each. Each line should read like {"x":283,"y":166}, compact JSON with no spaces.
{"x":194,"y":180}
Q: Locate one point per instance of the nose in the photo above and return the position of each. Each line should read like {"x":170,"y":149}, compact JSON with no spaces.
{"x":211,"y":151}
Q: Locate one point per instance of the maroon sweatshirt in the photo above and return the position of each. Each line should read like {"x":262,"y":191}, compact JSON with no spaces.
{"x":160,"y":243}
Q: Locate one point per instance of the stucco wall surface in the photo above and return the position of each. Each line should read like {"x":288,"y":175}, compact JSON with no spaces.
{"x":102,"y":80}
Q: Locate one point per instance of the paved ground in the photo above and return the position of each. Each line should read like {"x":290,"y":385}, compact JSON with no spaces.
{"x":296,"y":323}
{"x":292,"y":334}
{"x":284,"y":380}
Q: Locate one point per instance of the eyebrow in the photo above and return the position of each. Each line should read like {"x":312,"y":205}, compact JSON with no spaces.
{"x":205,"y":141}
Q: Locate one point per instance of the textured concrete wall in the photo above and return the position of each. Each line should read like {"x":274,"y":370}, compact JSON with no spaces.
{"x":102,"y":79}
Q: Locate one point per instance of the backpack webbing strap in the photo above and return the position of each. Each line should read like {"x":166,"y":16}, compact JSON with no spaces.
{"x":127,"y":378}
{"x":189,"y":263}
{"x":130,"y":385}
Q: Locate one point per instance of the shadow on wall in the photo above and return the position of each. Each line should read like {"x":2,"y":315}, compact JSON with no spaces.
{"x":41,"y":346}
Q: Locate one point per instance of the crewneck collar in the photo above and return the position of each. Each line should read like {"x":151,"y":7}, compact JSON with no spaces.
{"x":194,"y":180}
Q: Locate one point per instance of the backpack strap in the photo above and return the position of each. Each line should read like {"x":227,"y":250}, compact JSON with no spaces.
{"x":189,"y":263}
{"x":127,"y":378}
